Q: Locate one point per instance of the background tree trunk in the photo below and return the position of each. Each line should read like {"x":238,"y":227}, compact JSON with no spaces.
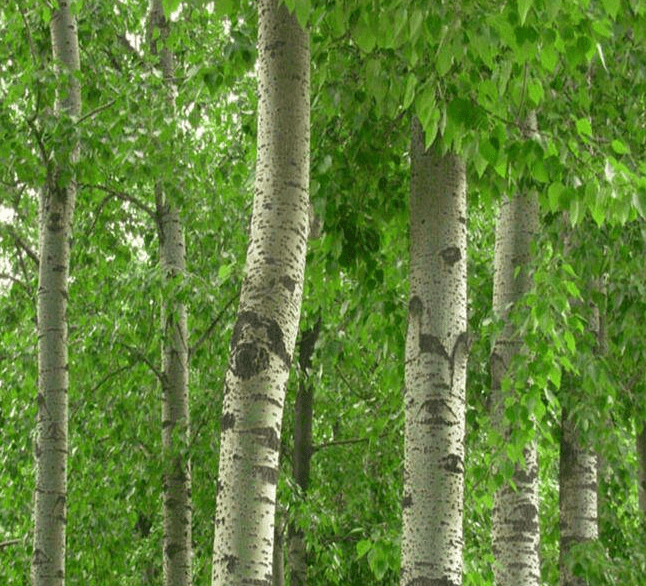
{"x":302,"y":450}
{"x":515,"y":515}
{"x":435,"y":372}
{"x":270,"y":302}
{"x":177,"y":547}
{"x":55,"y":226}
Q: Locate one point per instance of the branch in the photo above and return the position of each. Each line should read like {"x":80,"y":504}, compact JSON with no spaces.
{"x":207,"y":333}
{"x":20,"y":243}
{"x":139,"y":354}
{"x":122,"y":196}
{"x":13,"y":279}
{"x":9,"y":542}
{"x":96,"y":111}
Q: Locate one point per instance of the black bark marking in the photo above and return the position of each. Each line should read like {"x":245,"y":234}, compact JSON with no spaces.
{"x":288,"y":283}
{"x":266,"y":437}
{"x":443,"y":581}
{"x":415,"y":307}
{"x":407,"y":501}
{"x":438,"y":412}
{"x":231,"y":561}
{"x":453,"y":463}
{"x":254,"y":339}
{"x":267,"y":473}
{"x":451,"y":255}
{"x":227,"y":421}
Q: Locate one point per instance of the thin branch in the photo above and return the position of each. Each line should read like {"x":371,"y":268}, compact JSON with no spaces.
{"x":9,"y":542}
{"x":30,"y":40}
{"x":122,"y":196}
{"x":207,"y":333}
{"x":96,"y":111}
{"x":21,"y":244}
{"x":8,"y":277}
{"x":139,"y":354}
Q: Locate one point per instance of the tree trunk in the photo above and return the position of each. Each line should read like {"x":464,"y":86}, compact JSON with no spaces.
{"x":515,"y":515}
{"x":641,"y":462}
{"x":435,"y":372}
{"x":270,"y":302}
{"x":177,"y":547}
{"x":302,"y":451}
{"x":55,"y":226}
{"x":578,"y":472}
{"x":577,"y":497}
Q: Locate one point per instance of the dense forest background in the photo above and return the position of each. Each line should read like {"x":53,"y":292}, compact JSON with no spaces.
{"x":470,"y":72}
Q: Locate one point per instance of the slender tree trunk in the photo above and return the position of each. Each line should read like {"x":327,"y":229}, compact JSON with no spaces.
{"x":515,"y":515}
{"x":55,"y":224}
{"x":435,"y":372}
{"x":641,"y":462}
{"x":578,"y":472}
{"x":270,"y":302}
{"x":177,"y":547}
{"x":302,"y":451}
{"x":577,"y":496}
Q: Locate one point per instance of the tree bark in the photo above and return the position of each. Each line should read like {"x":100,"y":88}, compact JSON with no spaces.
{"x":302,"y":451}
{"x":641,"y":463}
{"x":56,"y":212}
{"x":515,"y":515}
{"x":177,"y":531}
{"x":270,"y":302}
{"x":435,"y":371}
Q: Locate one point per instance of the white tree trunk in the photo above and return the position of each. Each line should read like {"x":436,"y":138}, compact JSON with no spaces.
{"x":55,"y":226}
{"x":263,"y":339}
{"x":515,"y":516}
{"x":577,"y":497}
{"x":177,"y":546}
{"x":435,"y":372}
{"x":640,"y":442}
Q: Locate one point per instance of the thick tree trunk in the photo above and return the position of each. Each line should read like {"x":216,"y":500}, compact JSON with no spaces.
{"x":515,"y":515}
{"x":177,"y":547}
{"x":435,"y":372}
{"x":56,"y":213}
{"x":270,"y":302}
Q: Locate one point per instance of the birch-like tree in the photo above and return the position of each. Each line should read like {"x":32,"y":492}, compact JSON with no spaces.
{"x":515,"y":515}
{"x":435,"y":371}
{"x":177,"y":548}
{"x":265,"y":332}
{"x":56,"y":210}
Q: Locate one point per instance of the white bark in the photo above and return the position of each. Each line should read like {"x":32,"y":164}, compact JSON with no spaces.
{"x":640,"y":442}
{"x":177,"y":547}
{"x":577,"y":497}
{"x":435,"y":372}
{"x":55,"y":218}
{"x":263,"y":339}
{"x":515,"y":516}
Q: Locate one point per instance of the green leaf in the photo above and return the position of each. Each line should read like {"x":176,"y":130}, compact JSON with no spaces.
{"x":409,"y":92}
{"x":303,"y":9}
{"x":364,"y":36}
{"x":569,"y":341}
{"x":549,"y":58}
{"x":584,"y":128}
{"x":170,"y":6}
{"x":523,"y":9}
{"x":535,"y":91}
{"x":619,"y":147}
{"x":363,"y":547}
{"x":554,"y":192}
{"x":611,"y":7}
{"x":444,"y":58}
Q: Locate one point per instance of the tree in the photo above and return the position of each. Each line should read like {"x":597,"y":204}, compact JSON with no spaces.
{"x":515,"y":530}
{"x":177,"y":547}
{"x":57,"y":198}
{"x":264,"y":336}
{"x":436,"y":355}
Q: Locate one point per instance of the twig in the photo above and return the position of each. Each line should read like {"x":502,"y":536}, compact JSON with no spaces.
{"x":214,"y":323}
{"x":139,"y":354}
{"x":9,"y":542}
{"x":13,"y":279}
{"x":20,"y":243}
{"x":123,"y":196}
{"x":96,"y":111}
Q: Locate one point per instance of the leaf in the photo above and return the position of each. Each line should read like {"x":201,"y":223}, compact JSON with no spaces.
{"x":554,"y":192}
{"x":409,"y":92}
{"x":536,"y":92}
{"x":569,"y":341}
{"x":170,"y":6}
{"x":444,"y":58}
{"x":619,"y":147}
{"x":363,"y":547}
{"x":584,"y":128}
{"x":611,"y":7}
{"x":549,"y":58}
{"x":303,"y":9}
{"x":364,"y":36}
{"x":523,"y":9}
